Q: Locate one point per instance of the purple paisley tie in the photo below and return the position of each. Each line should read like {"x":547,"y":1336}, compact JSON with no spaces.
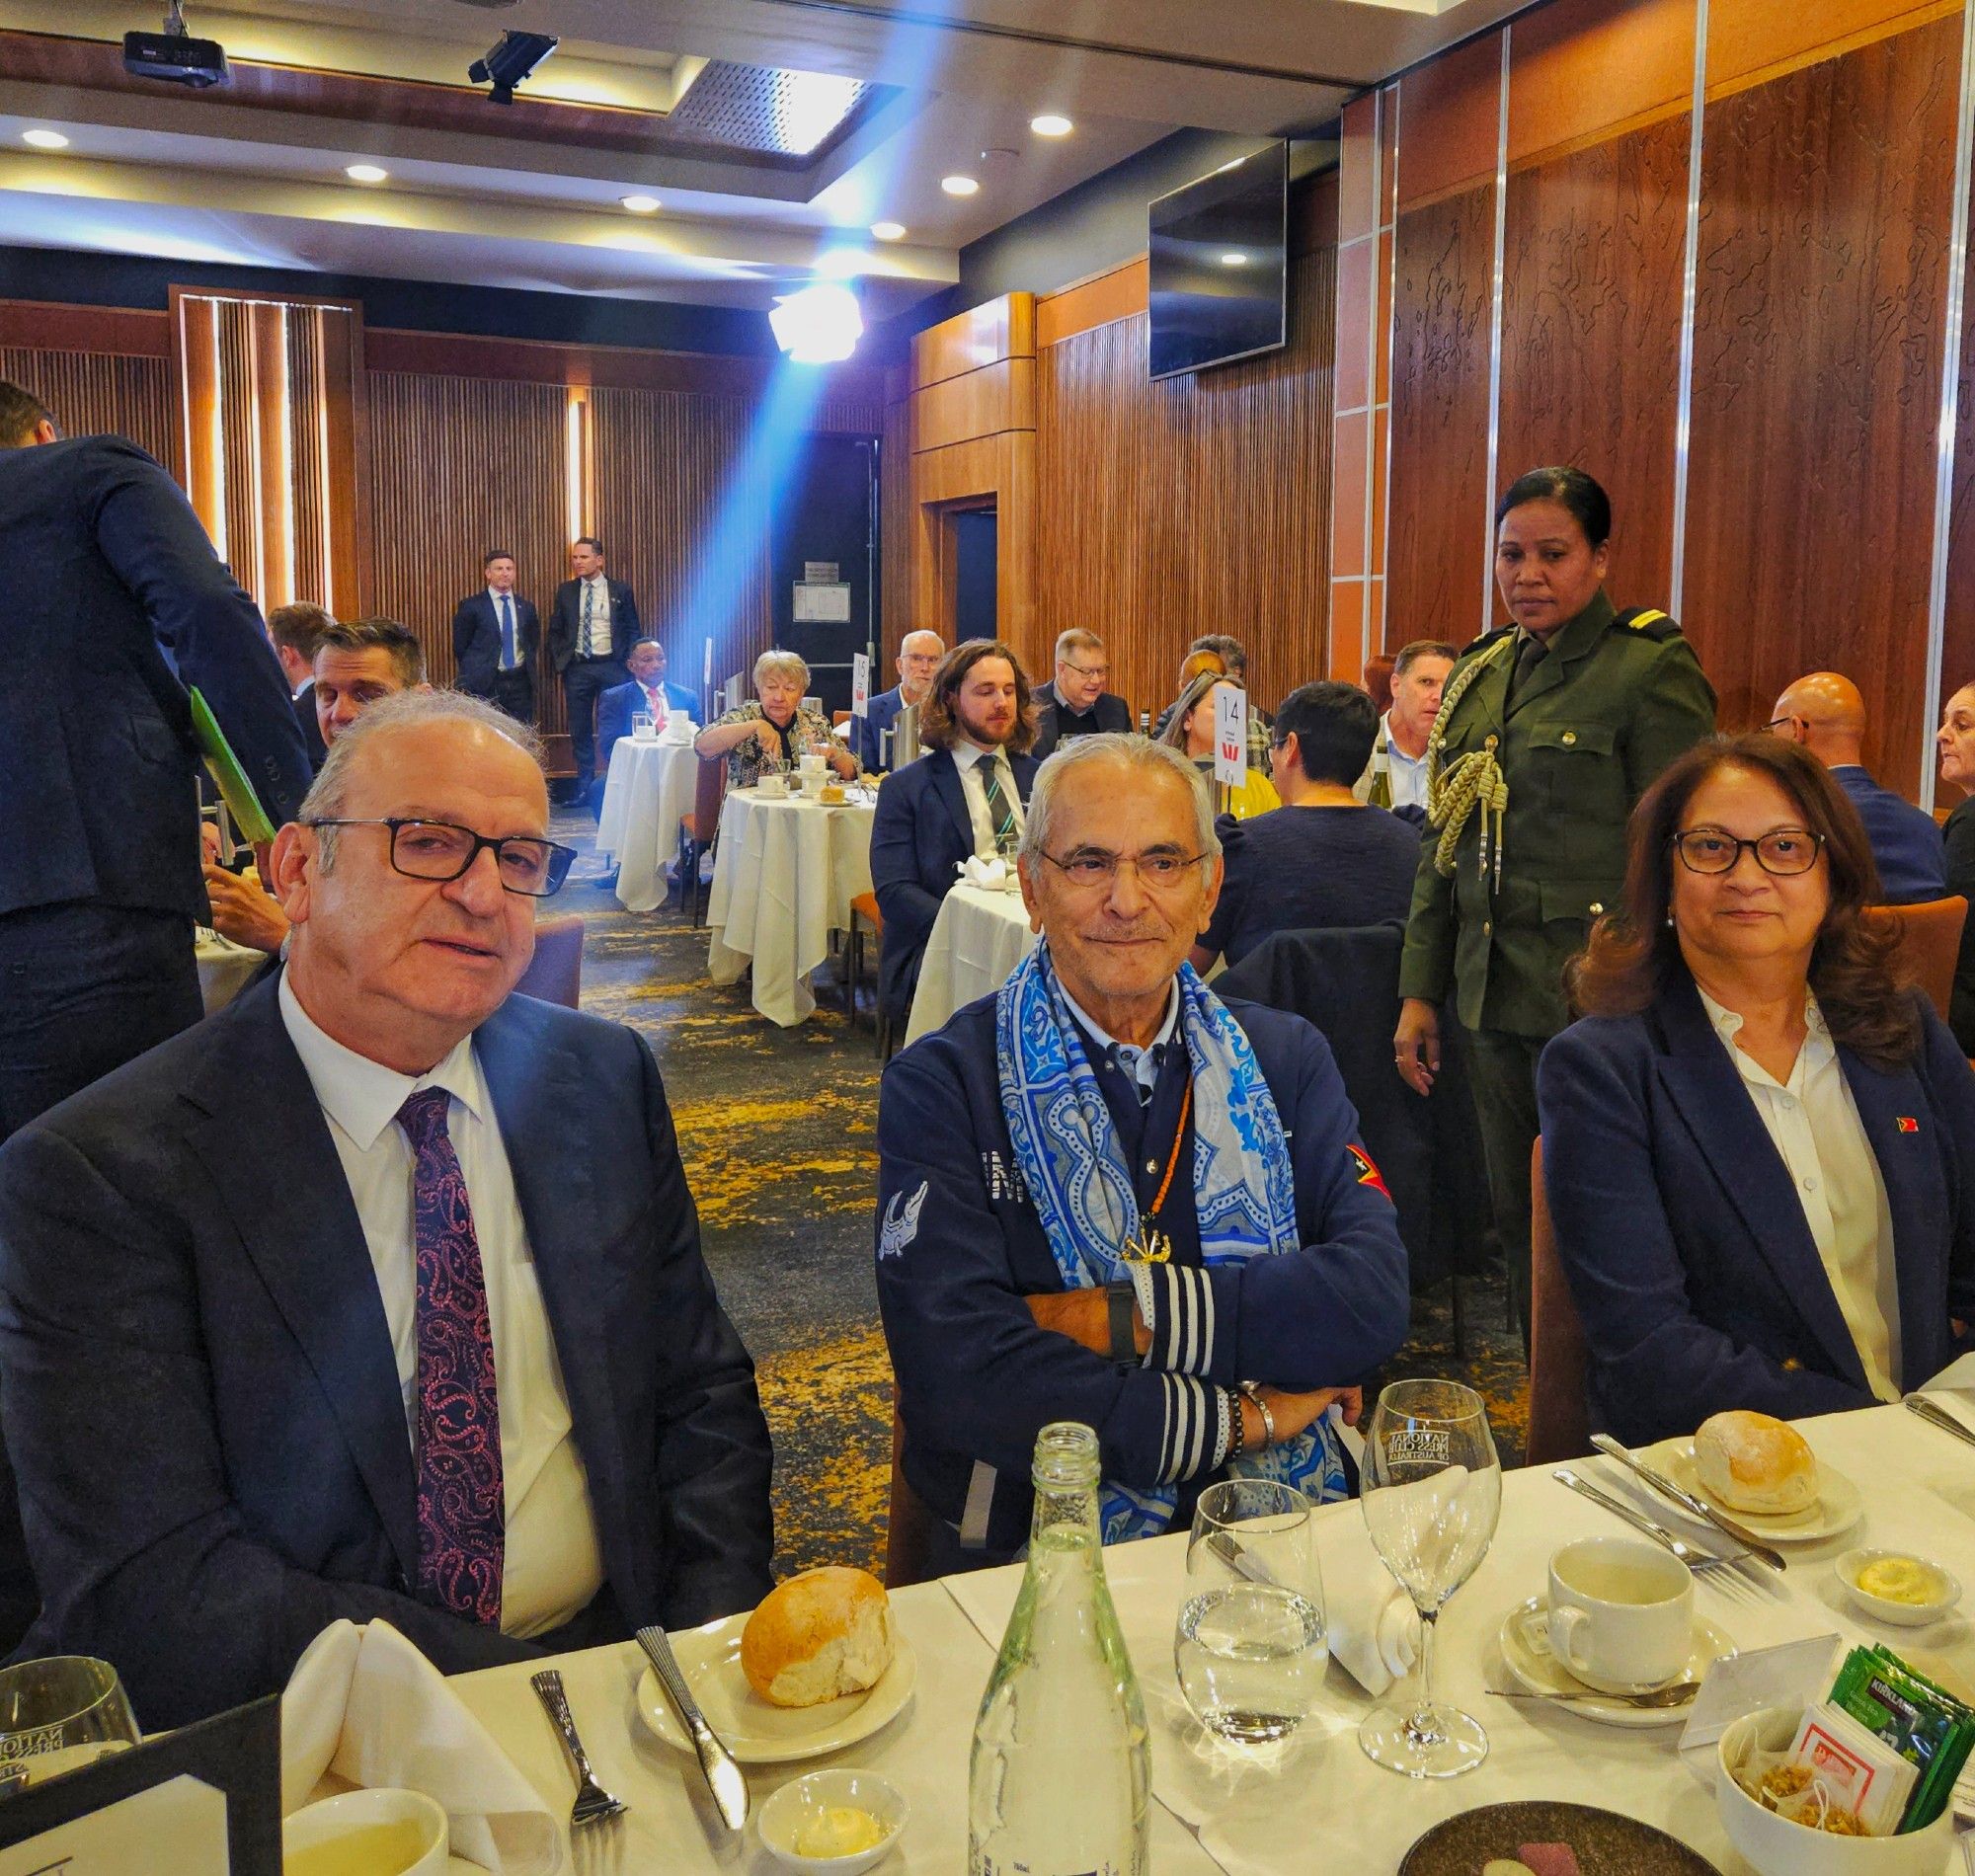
{"x":462,"y":1510}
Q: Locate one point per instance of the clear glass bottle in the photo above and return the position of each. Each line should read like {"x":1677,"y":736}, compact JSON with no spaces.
{"x":1061,"y":1771}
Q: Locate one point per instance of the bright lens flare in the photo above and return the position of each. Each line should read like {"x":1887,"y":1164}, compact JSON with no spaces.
{"x":820,"y":324}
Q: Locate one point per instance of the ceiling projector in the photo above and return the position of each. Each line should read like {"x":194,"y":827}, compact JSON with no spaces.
{"x":174,"y":56}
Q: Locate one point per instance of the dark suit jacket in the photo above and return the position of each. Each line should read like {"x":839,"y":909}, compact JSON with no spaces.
{"x":621,"y":702}
{"x":112,"y":602}
{"x":1112,"y":714}
{"x":1686,"y":1246}
{"x":198,"y":1385}
{"x":867,"y":732}
{"x":566,"y":622}
{"x":310,"y":725}
{"x":1906,"y":845}
{"x":476,"y":640}
{"x":921,"y":832}
{"x":1958,"y":837}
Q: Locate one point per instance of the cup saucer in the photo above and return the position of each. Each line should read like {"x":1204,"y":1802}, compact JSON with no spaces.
{"x":1525,"y":1644}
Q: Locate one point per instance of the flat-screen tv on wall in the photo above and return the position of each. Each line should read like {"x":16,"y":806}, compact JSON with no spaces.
{"x":1219,"y":263}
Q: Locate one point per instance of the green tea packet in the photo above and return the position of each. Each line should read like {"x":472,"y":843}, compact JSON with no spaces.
{"x":1923,"y":1722}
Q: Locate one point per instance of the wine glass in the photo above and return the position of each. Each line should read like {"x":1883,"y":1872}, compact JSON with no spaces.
{"x":58,"y":1715}
{"x":1249,"y":1647}
{"x":1432,"y":1491}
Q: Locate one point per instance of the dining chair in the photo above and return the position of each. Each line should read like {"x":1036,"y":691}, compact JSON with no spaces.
{"x":1929,"y":944}
{"x":555,"y":972}
{"x":909,"y":1525}
{"x":698,"y":829}
{"x":1559,"y":1420}
{"x":864,"y":912}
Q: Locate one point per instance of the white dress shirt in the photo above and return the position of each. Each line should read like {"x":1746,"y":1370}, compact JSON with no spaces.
{"x":1814,"y":1123}
{"x":1405,"y":776}
{"x":968,"y":757}
{"x":598,"y":587}
{"x":554,"y":1565}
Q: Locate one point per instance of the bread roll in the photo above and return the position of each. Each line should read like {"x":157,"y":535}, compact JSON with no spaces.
{"x":1753,"y":1463}
{"x":817,"y":1637}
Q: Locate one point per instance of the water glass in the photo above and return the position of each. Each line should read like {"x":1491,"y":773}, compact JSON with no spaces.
{"x":58,"y":1715}
{"x":1432,"y":1489}
{"x":1249,"y":1647}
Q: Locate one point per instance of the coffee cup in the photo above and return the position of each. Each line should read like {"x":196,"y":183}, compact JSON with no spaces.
{"x":1620,"y":1613}
{"x":378,"y":1832}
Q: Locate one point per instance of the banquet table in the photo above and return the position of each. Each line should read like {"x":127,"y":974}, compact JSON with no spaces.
{"x":977,"y":938}
{"x":1319,"y":1802}
{"x":649,"y":788}
{"x":784,"y":874}
{"x":224,"y":969}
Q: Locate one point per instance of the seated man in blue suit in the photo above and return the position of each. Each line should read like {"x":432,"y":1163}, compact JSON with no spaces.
{"x":918,"y":657}
{"x":1107,"y":1196}
{"x":1074,"y":702}
{"x":378,"y":1296}
{"x":648,"y":695}
{"x":962,"y":801}
{"x":1826,"y":715}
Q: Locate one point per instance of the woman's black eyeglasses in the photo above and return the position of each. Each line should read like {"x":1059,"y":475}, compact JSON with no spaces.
{"x":1783,"y":850}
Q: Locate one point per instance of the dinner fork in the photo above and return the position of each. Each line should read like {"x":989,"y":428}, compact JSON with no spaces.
{"x":1719,"y":1571}
{"x":593,"y":1803}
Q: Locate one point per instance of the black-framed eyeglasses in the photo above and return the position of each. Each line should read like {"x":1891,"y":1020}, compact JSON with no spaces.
{"x":1099,"y":671}
{"x":1783,"y":850}
{"x":1776,"y":724}
{"x":440,"y":850}
{"x":1092,"y":867}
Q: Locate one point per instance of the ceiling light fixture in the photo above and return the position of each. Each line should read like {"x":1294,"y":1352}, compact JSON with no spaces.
{"x":887,"y":231}
{"x":366,"y":173}
{"x":1233,"y":259}
{"x":820,"y":324}
{"x":1052,"y":123}
{"x":44,"y":139}
{"x":960,"y":184}
{"x":643,"y":205}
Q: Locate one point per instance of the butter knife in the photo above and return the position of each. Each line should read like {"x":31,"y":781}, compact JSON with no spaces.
{"x":1688,"y":1502}
{"x":716,"y":1763}
{"x":1938,"y":1417}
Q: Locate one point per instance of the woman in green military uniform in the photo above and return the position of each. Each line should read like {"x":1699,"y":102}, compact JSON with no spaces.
{"x":1548,"y":730}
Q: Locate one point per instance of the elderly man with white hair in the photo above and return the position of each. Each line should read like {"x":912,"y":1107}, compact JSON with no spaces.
{"x":772,"y":729}
{"x":1107,"y":1196}
{"x":918,"y":657}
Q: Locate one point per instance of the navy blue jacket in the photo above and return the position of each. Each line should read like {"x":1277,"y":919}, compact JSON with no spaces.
{"x":1681,"y":1234}
{"x":867,"y":732}
{"x":920,"y":834}
{"x":1907,"y":847}
{"x":977,"y":1379}
{"x":566,"y":622}
{"x":621,"y":702}
{"x":1112,"y":714}
{"x":197,"y":1380}
{"x":112,"y":602}
{"x":476,"y":640}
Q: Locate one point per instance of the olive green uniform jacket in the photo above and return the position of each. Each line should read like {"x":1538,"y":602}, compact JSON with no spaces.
{"x":1614,"y":702}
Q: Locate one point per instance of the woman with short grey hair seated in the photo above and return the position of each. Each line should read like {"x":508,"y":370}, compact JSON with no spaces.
{"x":773,"y":728}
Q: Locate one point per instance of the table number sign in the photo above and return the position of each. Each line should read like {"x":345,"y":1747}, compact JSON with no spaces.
{"x":1230,"y":735}
{"x":860,"y":684}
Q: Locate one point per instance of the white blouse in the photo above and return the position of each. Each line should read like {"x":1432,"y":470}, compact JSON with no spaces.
{"x":1814,"y":1123}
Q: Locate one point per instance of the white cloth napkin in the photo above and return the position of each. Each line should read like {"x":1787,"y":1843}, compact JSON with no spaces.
{"x":1953,"y":1389}
{"x":1375,"y":1629}
{"x":364,"y":1705}
{"x":991,"y":875}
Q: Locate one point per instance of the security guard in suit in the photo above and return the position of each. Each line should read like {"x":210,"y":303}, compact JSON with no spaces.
{"x":1548,"y":730}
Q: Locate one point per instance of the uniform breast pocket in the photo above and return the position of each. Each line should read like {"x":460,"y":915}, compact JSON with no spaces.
{"x":1573,"y":764}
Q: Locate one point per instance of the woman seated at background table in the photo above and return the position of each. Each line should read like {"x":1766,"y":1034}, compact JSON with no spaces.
{"x":1192,"y":729}
{"x":775,"y":730}
{"x":1759,"y":1143}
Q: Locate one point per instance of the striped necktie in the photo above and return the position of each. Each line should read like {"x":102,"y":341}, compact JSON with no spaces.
{"x":583,"y":647}
{"x":1000,"y":809}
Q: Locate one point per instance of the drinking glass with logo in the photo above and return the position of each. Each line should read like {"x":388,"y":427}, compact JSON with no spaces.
{"x":1431,"y":1493}
{"x":60,"y":1715}
{"x":1249,"y":1647}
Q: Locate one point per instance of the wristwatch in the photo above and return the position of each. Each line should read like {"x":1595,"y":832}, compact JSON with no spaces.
{"x":1123,"y":1303}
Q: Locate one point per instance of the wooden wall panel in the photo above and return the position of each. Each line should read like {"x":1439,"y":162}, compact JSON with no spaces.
{"x":997,"y":397}
{"x":90,"y":392}
{"x":1579,"y":69}
{"x":1749,"y":41}
{"x":1591,"y":335}
{"x":1003,"y":328}
{"x":1460,"y":95}
{"x":1826,"y":199}
{"x":1437,"y":551}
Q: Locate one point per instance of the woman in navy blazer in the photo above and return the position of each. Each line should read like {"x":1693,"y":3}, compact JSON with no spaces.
{"x":1685,"y":1237}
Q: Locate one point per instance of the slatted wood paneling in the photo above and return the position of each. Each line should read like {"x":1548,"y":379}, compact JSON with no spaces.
{"x":1826,"y":199}
{"x":1196,"y":504}
{"x":96,"y":392}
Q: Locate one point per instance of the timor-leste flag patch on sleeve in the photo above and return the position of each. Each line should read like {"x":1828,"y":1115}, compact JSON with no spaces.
{"x":1368,"y":1174}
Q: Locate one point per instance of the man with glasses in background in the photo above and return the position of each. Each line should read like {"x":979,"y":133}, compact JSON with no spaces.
{"x":1107,"y":1196}
{"x":384,"y":1288}
{"x":1074,"y":701}
{"x":876,"y":750}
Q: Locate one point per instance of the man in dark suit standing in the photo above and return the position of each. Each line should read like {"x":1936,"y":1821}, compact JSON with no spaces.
{"x":648,"y":693}
{"x":918,"y":657}
{"x":460,"y":1367}
{"x":112,"y":604}
{"x":1074,"y":702}
{"x":964,"y":800}
{"x":496,"y":635}
{"x":296,"y":631}
{"x":591,"y":628}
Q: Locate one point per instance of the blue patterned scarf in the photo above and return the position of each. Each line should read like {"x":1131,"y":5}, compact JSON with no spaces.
{"x":1068,"y":1149}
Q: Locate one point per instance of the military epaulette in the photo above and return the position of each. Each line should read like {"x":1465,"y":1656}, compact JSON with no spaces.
{"x":1485,"y":640}
{"x":1649,"y":621}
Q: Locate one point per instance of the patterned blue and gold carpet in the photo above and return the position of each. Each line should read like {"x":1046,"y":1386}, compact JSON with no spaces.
{"x":777,"y":1129}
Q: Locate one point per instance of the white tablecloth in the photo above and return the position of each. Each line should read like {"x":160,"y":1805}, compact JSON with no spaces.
{"x":650,"y":787}
{"x":224,"y":969}
{"x":784,"y":875}
{"x":977,"y":938}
